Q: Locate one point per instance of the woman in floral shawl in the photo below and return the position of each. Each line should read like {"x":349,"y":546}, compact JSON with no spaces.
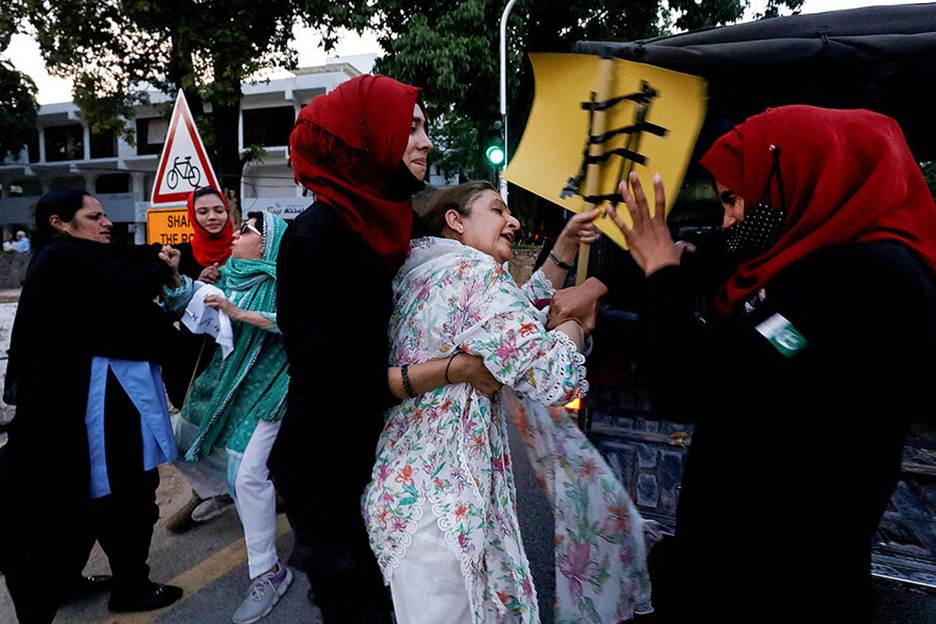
{"x":441,"y":507}
{"x":237,"y":403}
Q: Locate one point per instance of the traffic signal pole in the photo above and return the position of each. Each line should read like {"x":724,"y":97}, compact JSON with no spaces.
{"x":503,"y":93}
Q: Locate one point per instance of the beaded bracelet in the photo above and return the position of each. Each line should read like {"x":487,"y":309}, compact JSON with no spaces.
{"x":406,"y":381}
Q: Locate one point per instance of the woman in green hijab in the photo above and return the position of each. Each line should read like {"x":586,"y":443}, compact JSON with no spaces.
{"x":235,"y":406}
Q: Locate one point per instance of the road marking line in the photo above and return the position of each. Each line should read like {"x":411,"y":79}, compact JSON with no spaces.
{"x":197,"y":578}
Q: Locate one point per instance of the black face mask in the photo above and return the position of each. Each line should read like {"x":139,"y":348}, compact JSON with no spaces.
{"x":762,"y":225}
{"x":757,"y":233}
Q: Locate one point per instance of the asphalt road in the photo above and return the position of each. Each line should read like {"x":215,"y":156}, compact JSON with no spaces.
{"x":209,"y":561}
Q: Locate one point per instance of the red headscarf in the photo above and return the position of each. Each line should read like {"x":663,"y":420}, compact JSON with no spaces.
{"x":848,"y":176}
{"x":347,"y":147}
{"x":209,"y":248}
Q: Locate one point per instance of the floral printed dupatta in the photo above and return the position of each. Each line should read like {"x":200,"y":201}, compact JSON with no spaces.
{"x":601,"y":540}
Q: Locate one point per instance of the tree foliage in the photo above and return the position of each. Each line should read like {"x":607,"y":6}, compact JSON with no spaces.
{"x":452,"y":50}
{"x":115,"y":49}
{"x":929,"y":174}
{"x":18,"y":105}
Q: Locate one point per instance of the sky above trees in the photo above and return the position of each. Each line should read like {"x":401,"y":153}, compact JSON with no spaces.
{"x":23,"y":50}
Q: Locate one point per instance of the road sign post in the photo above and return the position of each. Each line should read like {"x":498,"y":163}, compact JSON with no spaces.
{"x":183,"y":167}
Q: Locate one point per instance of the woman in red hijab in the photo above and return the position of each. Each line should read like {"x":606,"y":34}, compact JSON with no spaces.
{"x":202,"y":256}
{"x":210,"y":247}
{"x":803,"y":388}
{"x":362,"y":151}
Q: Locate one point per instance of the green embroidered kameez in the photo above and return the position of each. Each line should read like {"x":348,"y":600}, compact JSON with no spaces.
{"x":233,"y":394}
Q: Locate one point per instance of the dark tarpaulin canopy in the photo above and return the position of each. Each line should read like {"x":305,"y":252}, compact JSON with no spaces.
{"x":880,"y":58}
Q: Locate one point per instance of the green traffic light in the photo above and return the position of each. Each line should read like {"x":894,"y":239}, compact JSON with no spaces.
{"x":495,"y":155}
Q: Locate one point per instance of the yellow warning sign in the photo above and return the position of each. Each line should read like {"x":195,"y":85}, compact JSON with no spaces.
{"x":168,"y":227}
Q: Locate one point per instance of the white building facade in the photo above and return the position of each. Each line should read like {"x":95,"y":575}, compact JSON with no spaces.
{"x":65,"y":154}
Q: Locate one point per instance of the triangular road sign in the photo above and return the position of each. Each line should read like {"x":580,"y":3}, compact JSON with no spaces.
{"x":183,"y":166}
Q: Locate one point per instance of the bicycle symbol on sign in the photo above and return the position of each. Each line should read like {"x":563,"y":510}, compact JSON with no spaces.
{"x":183,"y":168}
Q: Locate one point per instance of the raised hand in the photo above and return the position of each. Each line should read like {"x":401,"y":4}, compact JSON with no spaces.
{"x":580,"y":229}
{"x":648,"y":238}
{"x":171,"y":257}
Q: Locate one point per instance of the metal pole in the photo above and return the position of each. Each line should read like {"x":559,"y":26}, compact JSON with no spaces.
{"x":503,"y":91}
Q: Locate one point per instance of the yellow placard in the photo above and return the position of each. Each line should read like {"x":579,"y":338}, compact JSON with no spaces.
{"x":168,"y":227}
{"x":670,"y":105}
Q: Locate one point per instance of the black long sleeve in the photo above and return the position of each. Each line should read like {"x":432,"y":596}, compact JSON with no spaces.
{"x":333,"y":306}
{"x":675,"y":343}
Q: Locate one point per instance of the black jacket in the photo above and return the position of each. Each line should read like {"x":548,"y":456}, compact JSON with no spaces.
{"x":333,"y":304}
{"x":794,"y":455}
{"x":79,"y":299}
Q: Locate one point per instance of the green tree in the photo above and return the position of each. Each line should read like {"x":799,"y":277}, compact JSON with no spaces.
{"x":115,"y":49}
{"x":18,"y":105}
{"x":929,"y":174}
{"x":452,"y":49}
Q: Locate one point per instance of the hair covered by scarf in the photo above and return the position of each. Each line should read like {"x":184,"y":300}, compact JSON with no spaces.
{"x":847,"y":175}
{"x":347,"y":147}
{"x":209,"y":248}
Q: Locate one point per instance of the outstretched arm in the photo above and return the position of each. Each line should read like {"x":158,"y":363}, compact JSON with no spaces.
{"x":240,"y":315}
{"x":580,"y":229}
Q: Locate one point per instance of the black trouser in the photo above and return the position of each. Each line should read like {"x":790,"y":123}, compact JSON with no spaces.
{"x":55,"y":535}
{"x":39,"y":572}
{"x":123,"y":521}
{"x":53,"y":556}
{"x":333,"y":550}
{"x":123,"y":524}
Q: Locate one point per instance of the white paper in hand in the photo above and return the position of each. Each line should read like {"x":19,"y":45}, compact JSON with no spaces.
{"x":202,"y":319}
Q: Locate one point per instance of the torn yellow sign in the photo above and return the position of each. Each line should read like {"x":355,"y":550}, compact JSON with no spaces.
{"x":651,"y":119}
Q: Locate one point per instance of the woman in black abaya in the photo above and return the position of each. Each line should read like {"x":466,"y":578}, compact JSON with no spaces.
{"x":90,"y":424}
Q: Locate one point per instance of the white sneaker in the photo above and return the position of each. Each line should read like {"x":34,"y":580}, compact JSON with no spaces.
{"x":264,"y":593}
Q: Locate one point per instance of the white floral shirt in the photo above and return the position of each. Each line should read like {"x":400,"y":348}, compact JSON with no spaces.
{"x":449,"y":446}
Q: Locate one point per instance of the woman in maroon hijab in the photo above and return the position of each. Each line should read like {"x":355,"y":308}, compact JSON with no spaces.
{"x":362,"y":151}
{"x":803,"y":388}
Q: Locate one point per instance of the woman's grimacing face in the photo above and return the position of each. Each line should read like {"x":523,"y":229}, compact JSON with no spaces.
{"x":490,"y":227}
{"x":211,"y":213}
{"x":89,"y":223}
{"x":418,"y":146}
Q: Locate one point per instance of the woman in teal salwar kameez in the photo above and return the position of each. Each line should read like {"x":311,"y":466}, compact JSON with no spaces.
{"x":235,"y":406}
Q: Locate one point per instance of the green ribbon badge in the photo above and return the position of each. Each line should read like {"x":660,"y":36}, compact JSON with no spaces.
{"x":782,"y":335}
